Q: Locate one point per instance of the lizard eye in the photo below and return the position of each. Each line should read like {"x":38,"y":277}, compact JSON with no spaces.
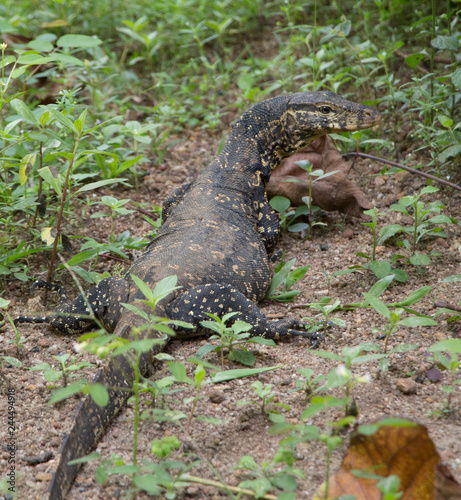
{"x":325,"y":110}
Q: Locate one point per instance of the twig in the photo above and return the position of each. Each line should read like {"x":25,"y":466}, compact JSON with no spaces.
{"x":418,"y":66}
{"x":217,"y":484}
{"x":446,"y":305}
{"x":408,"y":169}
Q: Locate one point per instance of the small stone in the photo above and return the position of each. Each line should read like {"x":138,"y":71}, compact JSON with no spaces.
{"x":441,"y":243}
{"x":192,"y":491}
{"x":324,"y":247}
{"x":348,"y":233}
{"x":434,"y":375}
{"x":43,"y":476}
{"x":406,"y":385}
{"x":379,"y":181}
{"x":44,"y":342}
{"x":216,"y":396}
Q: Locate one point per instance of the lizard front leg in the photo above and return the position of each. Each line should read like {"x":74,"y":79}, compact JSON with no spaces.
{"x":102,"y":303}
{"x":219,"y":299}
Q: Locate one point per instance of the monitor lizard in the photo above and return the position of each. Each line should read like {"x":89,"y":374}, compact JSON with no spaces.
{"x":217,"y":234}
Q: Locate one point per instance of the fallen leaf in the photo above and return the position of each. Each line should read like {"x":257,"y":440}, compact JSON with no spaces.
{"x":335,"y":192}
{"x":446,"y":486}
{"x":404,"y":450}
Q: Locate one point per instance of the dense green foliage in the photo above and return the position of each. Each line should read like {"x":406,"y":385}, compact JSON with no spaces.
{"x":72,"y":72}
{"x":93,"y":91}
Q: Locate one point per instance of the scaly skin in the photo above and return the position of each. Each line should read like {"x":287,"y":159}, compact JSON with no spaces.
{"x":216,"y":237}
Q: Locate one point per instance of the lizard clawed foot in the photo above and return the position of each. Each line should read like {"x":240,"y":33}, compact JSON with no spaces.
{"x":315,"y":337}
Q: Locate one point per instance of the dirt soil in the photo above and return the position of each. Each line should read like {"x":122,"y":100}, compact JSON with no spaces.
{"x":245,"y":430}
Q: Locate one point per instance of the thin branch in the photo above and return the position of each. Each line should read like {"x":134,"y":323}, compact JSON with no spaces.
{"x":217,"y":484}
{"x":408,"y":169}
{"x":446,"y":305}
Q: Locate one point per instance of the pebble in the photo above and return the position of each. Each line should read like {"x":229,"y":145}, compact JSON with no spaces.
{"x":379,"y":181}
{"x":216,"y":396}
{"x":406,"y":385}
{"x":324,"y":247}
{"x":348,"y":233}
{"x":43,"y":476}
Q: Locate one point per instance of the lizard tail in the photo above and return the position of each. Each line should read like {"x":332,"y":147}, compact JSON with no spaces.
{"x":91,"y":420}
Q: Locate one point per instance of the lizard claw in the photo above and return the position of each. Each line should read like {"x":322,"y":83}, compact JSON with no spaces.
{"x":314,"y":337}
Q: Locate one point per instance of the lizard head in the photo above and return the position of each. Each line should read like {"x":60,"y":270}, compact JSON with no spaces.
{"x":310,"y":115}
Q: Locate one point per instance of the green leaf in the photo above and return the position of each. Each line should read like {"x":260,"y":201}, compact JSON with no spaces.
{"x":63,"y":120}
{"x":98,"y":184}
{"x":40,"y":45}
{"x":205,"y":349}
{"x":67,"y":59}
{"x":368,"y":357}
{"x":165,"y":286}
{"x":280,"y":204}
{"x":33,"y":59}
{"x":419,"y":259}
{"x":417,"y":321}
{"x":145,"y":289}
{"x":415,"y":296}
{"x":388,"y":232}
{"x":381,"y":268}
{"x":239,"y":373}
{"x":261,"y":341}
{"x":13,"y":361}
{"x":456,"y":78}
{"x":78,"y":41}
{"x":328,"y":355}
{"x":448,"y":345}
{"x":452,"y":278}
{"x":66,"y":392}
{"x":377,"y":305}
{"x":442,"y":42}
{"x":380,"y":286}
{"x":280,"y":277}
{"x":440,"y":219}
{"x":87,"y":458}
{"x":179,"y":371}
{"x":405,"y":347}
{"x":99,"y":394}
{"x":149,"y":483}
{"x":245,"y":357}
{"x":414,"y":59}
{"x":23,"y":110}
{"x":241,"y":326}
{"x":450,"y":152}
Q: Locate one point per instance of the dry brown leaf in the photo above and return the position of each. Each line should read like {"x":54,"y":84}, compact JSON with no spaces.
{"x":335,"y":192}
{"x":446,"y":486}
{"x":407,"y":452}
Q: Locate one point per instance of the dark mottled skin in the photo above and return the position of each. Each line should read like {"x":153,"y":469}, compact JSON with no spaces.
{"x":216,"y":237}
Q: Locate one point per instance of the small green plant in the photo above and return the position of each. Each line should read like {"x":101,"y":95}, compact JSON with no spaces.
{"x":116,"y":208}
{"x":394,"y":318}
{"x":266,"y":397}
{"x":66,"y":371}
{"x":288,"y":217}
{"x":342,"y":375}
{"x":18,"y":340}
{"x":452,"y":364}
{"x":232,"y":339}
{"x":282,"y":281}
{"x":326,"y":306}
{"x":312,"y":176}
{"x":268,"y":476}
{"x":308,"y":384}
{"x":8,"y":360}
{"x":380,"y":268}
{"x":423,"y":224}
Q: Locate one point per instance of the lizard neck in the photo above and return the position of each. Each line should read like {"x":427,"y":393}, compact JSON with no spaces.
{"x":259,"y":140}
